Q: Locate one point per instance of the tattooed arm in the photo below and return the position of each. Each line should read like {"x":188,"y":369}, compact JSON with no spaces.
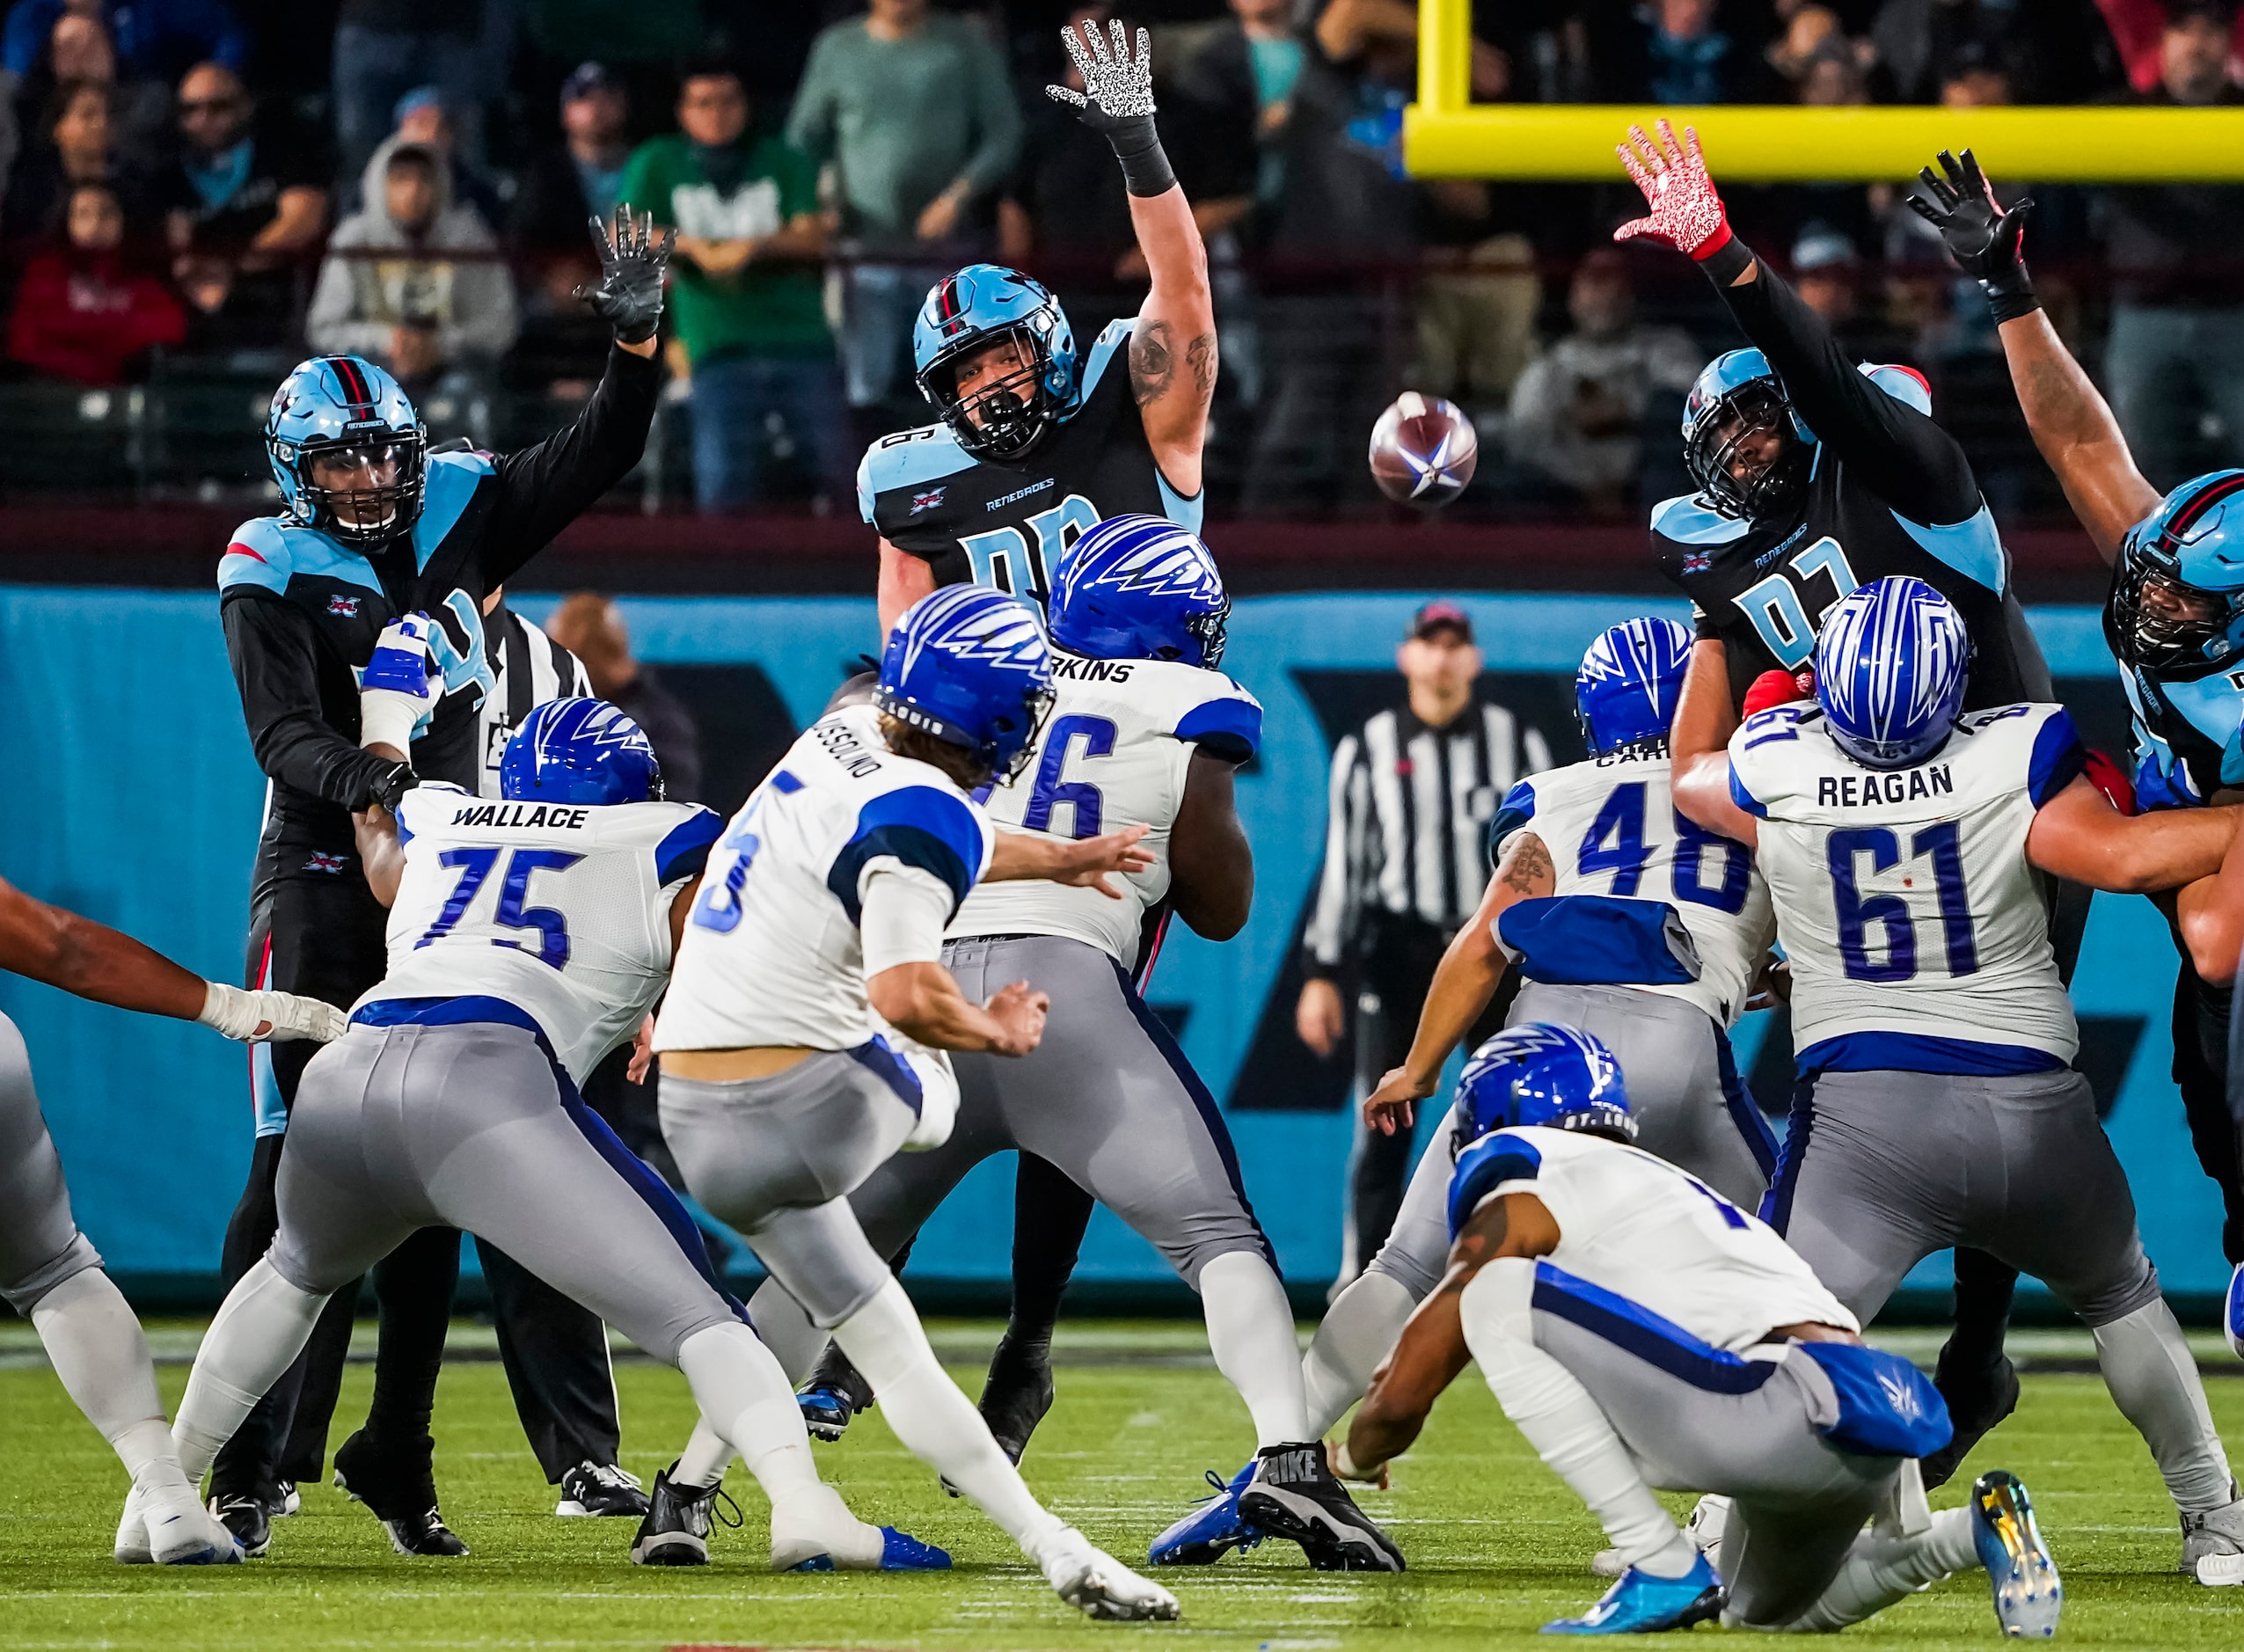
{"x":1466,"y":979}
{"x":2073,"y":427}
{"x":1173,"y":353}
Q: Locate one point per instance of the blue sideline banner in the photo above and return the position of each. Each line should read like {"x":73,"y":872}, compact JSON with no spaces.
{"x":141,"y":810}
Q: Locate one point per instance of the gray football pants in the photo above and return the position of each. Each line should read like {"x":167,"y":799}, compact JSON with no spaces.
{"x":395,"y":1129}
{"x":1882,"y":1169}
{"x":777,"y":1157}
{"x":1691,"y":1109}
{"x":1695,"y":1418}
{"x":41,"y":1245}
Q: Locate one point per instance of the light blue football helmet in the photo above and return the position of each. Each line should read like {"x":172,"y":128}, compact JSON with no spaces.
{"x":1537,"y":1073}
{"x":1736,"y":395}
{"x":1890,"y":669}
{"x":969,"y":666}
{"x":346,"y":402}
{"x":2177,"y":596}
{"x":1140,"y":588}
{"x":578,"y":751}
{"x":981,"y":305}
{"x":1629,"y":683}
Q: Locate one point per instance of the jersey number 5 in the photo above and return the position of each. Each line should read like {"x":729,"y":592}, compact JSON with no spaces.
{"x":475,"y":866}
{"x":1775,"y":608}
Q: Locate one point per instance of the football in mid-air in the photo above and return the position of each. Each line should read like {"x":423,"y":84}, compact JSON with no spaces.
{"x":1423,"y":449}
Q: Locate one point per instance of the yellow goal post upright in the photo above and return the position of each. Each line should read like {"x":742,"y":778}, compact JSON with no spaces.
{"x":1446,"y":134}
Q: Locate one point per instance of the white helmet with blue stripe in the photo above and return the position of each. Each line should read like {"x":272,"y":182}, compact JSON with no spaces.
{"x":1890,"y":669}
{"x":346,"y":406}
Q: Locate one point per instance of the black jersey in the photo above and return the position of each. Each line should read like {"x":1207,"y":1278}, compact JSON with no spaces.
{"x":1889,"y":491}
{"x":1005,"y":523}
{"x":302,"y":611}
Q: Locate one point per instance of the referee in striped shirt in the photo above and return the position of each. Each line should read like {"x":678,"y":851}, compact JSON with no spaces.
{"x":1406,"y":863}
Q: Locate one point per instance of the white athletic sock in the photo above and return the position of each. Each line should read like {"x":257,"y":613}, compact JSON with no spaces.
{"x":98,"y":1350}
{"x":707,"y":1454}
{"x":1250,"y":1331}
{"x":1549,"y":1406}
{"x":734,"y":1376}
{"x":2154,"y":1383}
{"x":261,"y":1328}
{"x":1357,"y":1331}
{"x":939,"y":1424}
{"x":1881,"y":1570}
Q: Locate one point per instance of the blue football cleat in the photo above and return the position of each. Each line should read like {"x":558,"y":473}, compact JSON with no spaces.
{"x":2231,"y":1319}
{"x":1641,"y":1603}
{"x":1210,"y":1531}
{"x":2027,"y":1593}
{"x":901,"y":1552}
{"x":826,"y":1410}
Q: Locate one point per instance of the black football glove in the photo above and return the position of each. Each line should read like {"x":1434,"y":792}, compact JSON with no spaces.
{"x":1987,"y":243}
{"x":1117,"y":102}
{"x":629,"y":297}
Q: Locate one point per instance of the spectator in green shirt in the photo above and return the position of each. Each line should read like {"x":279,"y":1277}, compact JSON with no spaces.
{"x":744,"y":290}
{"x":914,"y":110}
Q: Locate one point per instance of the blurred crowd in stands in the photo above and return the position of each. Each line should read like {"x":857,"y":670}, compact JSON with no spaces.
{"x":198,"y":192}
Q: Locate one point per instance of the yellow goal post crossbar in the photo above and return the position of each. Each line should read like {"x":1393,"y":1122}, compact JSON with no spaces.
{"x":1445,"y":135}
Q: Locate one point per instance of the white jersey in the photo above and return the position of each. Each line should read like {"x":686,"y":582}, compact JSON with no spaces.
{"x":561,"y":910}
{"x":1904,"y":897}
{"x":1611,"y":827}
{"x":1644,"y":1229}
{"x":1114,"y":754}
{"x":772,"y":954}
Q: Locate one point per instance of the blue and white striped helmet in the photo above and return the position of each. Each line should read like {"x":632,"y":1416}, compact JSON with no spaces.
{"x":1890,"y":669}
{"x":1140,"y":588}
{"x":1537,"y":1073}
{"x":2191,"y":548}
{"x":578,"y":751}
{"x":980,"y":305}
{"x":346,"y":402}
{"x":969,"y":666}
{"x":1629,"y":683}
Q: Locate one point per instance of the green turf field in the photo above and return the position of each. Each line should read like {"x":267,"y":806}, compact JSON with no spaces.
{"x":1496,"y":1546}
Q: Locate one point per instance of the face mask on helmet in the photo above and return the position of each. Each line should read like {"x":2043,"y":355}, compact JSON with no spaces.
{"x":997,"y":411}
{"x":373,"y":488}
{"x":1745,"y":455}
{"x":2157,"y":623}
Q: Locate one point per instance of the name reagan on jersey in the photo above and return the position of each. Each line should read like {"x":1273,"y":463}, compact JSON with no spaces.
{"x":521,"y":815}
{"x":1851,"y":791}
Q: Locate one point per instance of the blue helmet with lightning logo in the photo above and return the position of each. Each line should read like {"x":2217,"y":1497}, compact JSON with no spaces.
{"x":578,"y":751}
{"x":969,"y":666}
{"x":1630,"y":680}
{"x":1890,"y":669}
{"x":979,"y":308}
{"x":1557,"y":1077}
{"x":1140,"y":588}
{"x":2177,"y":593}
{"x":346,"y":406}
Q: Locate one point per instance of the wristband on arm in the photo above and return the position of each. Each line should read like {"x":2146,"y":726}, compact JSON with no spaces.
{"x":1117,"y":103}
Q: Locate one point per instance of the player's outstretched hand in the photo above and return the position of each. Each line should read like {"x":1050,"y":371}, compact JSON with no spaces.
{"x":1118,"y":85}
{"x":1394,"y":1104}
{"x":1985,"y":241}
{"x":259,"y":1018}
{"x":1019,"y":1010}
{"x":629,"y":297}
{"x":1686,"y":212}
{"x":1086,"y":865}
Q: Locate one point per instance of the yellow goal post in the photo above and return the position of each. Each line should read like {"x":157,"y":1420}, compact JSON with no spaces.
{"x":1446,"y":134}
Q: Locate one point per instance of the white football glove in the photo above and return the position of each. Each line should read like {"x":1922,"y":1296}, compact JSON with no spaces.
{"x":937,"y":1094}
{"x":398,"y":689}
{"x":238,"y":1014}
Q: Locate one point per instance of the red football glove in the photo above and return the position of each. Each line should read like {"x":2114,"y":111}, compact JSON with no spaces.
{"x":1779,"y":687}
{"x":1687,"y":213}
{"x":2110,"y":779}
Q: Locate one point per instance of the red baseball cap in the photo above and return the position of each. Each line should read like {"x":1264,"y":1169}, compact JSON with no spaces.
{"x":1442,"y":616}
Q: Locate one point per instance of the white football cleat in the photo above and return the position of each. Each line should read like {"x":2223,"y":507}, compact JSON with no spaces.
{"x":1098,"y":1585}
{"x":172,"y":1530}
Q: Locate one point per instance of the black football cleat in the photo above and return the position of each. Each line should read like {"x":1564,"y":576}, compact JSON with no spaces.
{"x":1294,"y":1496}
{"x":249,"y":1518}
{"x":404,"y":1502}
{"x":835,"y":1395}
{"x":1979,"y":1396}
{"x":1017,"y":1392}
{"x":676,"y":1530}
{"x":600,"y":1491}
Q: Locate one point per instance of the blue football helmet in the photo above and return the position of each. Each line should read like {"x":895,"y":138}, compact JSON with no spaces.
{"x":1140,"y":588}
{"x":969,"y":666}
{"x":1630,"y":680}
{"x":1890,"y":669}
{"x":978,"y":306}
{"x":578,"y":751}
{"x":1735,"y":396}
{"x":1535,"y":1073}
{"x":347,"y":403}
{"x":2177,"y":598}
